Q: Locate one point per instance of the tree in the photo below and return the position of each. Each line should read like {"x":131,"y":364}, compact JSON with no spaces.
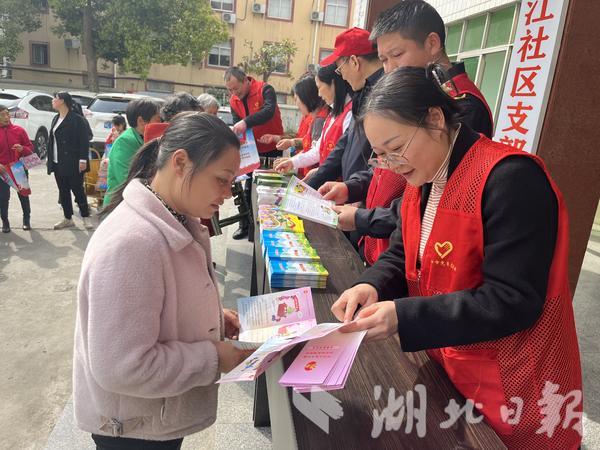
{"x":137,"y":34}
{"x":16,"y":17}
{"x":271,"y":57}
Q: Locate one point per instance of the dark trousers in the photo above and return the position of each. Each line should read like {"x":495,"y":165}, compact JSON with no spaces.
{"x":118,"y":443}
{"x":5,"y":197}
{"x":74,"y":184}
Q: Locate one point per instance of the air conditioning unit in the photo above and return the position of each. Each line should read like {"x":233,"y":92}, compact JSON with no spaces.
{"x":317,"y":16}
{"x":258,"y":8}
{"x":72,"y":43}
{"x":229,"y":18}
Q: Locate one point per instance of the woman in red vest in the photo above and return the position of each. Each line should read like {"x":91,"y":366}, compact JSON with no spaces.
{"x":336,"y":93}
{"x":314,"y":111}
{"x":478,"y":268}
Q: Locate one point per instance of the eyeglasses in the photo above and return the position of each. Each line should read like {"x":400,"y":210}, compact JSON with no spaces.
{"x":394,"y":159}
{"x":338,"y":69}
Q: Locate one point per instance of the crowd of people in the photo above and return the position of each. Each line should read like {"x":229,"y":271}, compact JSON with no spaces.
{"x":465,"y":239}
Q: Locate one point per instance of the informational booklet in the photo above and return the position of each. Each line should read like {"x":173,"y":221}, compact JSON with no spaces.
{"x":299,"y":188}
{"x":323,"y":363}
{"x":311,"y":208}
{"x":292,"y":253}
{"x":275,"y":235}
{"x":271,"y":351}
{"x":272,"y":218}
{"x":280,"y":314}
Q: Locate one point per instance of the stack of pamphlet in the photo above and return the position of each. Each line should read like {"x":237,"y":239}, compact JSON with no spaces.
{"x":283,"y":274}
{"x":272,"y":218}
{"x":270,"y":178}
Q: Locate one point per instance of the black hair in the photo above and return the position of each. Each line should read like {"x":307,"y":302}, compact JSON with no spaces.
{"x":119,"y":120}
{"x":370,"y":57}
{"x":342,"y":89}
{"x":406,"y":94}
{"x":203,"y":136}
{"x":3,"y":107}
{"x":66,"y":97}
{"x":145,"y":107}
{"x":308,"y":93}
{"x":180,"y":102}
{"x":235,"y":72}
{"x":413,"y":19}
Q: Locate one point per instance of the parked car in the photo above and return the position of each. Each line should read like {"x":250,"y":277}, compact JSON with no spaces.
{"x":84,"y":98}
{"x":224,"y":113}
{"x":101,"y":111}
{"x":33,"y":111}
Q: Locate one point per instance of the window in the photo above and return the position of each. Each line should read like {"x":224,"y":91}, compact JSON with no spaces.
{"x":39,"y":54}
{"x":484,"y":45}
{"x":42,"y":103}
{"x":280,"y":9}
{"x":224,"y":5}
{"x":336,"y":12}
{"x":160,"y":86}
{"x":220,"y":55}
{"x":324,"y":53}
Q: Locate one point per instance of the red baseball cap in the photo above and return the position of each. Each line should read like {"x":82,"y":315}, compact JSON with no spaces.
{"x":354,"y":41}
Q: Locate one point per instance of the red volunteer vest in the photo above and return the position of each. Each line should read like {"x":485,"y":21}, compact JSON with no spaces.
{"x":306,"y":134}
{"x":385,"y":186}
{"x":520,"y":365}
{"x":334,"y":132}
{"x":255,"y":103}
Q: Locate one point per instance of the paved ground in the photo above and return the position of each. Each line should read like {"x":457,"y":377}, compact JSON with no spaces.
{"x":38,"y":278}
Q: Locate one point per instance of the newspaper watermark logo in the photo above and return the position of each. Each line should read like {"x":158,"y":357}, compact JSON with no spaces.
{"x":321,"y":407}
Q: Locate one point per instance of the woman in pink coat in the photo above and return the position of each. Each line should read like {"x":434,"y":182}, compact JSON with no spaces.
{"x":150,"y":326}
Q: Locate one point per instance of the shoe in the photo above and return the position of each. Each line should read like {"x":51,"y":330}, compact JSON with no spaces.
{"x":65,"y":223}
{"x":87,"y":223}
{"x":5,"y":226}
{"x":240,"y":233}
{"x":26,"y":224}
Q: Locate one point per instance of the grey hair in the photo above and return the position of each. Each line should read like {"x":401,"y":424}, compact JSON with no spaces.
{"x":235,"y":72}
{"x":207,"y":101}
{"x":413,"y":19}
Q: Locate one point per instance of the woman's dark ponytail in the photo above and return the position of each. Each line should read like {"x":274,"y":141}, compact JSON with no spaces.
{"x":143,"y":165}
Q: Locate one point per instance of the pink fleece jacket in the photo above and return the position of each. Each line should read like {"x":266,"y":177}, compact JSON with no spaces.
{"x":145,"y":362}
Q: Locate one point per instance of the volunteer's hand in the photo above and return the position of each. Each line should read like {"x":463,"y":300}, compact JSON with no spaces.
{"x":336,"y":191}
{"x":18,"y":148}
{"x":284,"y":144}
{"x":379,"y":319}
{"x":230,"y":356}
{"x":346,"y":217}
{"x":310,"y":173}
{"x":360,"y":295}
{"x":232,"y":323}
{"x":82,"y":166}
{"x":283,"y":165}
{"x":240,"y":128}
{"x":269,"y":138}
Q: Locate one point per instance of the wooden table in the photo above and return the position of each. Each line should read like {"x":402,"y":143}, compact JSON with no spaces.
{"x":377,"y":364}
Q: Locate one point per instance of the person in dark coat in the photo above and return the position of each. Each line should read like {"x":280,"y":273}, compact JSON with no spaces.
{"x":68,"y":158}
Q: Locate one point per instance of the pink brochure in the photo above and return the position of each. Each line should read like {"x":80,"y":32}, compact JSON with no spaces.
{"x":271,"y":351}
{"x":319,"y":358}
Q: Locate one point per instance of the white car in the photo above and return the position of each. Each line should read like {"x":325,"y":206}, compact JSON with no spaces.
{"x":33,"y":111}
{"x":102,"y":110}
{"x":84,"y":98}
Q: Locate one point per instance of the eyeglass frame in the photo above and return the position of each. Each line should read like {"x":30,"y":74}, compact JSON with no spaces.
{"x":338,"y":69}
{"x":383,"y":161}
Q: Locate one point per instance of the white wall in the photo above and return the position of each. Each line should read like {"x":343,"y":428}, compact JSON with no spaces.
{"x":453,"y":10}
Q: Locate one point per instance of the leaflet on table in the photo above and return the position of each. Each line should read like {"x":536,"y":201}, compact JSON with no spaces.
{"x":280,"y":314}
{"x":296,"y":268}
{"x":274,"y":219}
{"x":271,"y":351}
{"x":291,"y":253}
{"x":323,"y":363}
{"x":309,"y":208}
{"x":275,"y":235}
{"x":299,"y":188}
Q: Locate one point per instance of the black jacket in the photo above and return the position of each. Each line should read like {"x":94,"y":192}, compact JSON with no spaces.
{"x":72,"y":138}
{"x":520,"y":222}
{"x":381,"y":222}
{"x":353,"y":149}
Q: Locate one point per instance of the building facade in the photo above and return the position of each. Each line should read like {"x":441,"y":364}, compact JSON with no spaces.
{"x":48,"y":60}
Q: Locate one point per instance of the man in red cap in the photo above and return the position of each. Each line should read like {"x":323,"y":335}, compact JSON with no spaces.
{"x":356,"y":59}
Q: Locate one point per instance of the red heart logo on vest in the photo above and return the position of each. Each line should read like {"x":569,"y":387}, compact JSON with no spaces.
{"x":443,"y":249}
